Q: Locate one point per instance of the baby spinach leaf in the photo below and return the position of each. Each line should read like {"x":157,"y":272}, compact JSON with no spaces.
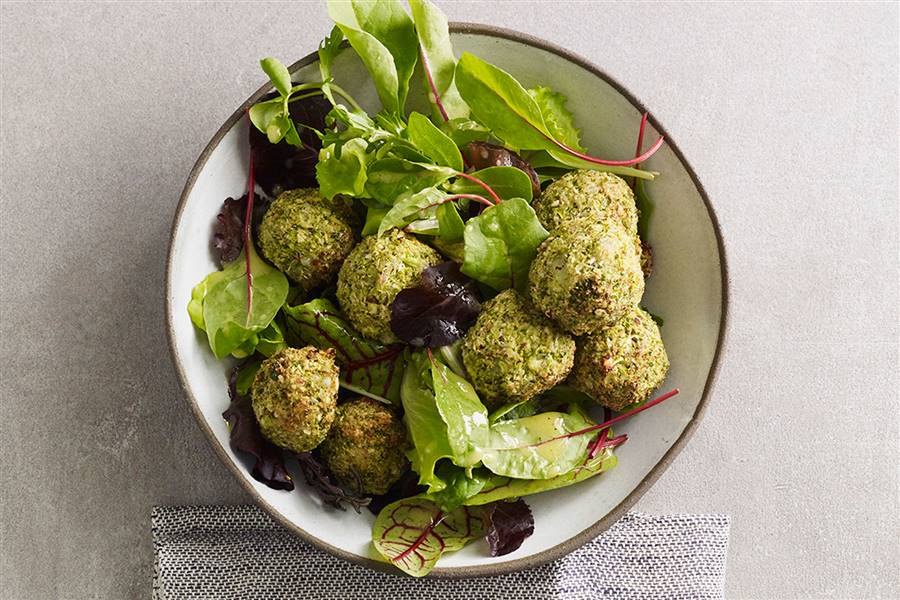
{"x":409,"y":206}
{"x":437,"y":58}
{"x":384,"y":37}
{"x":451,"y":227}
{"x":389,"y":178}
{"x":501,"y":103}
{"x":374,"y":216}
{"x":507,"y":182}
{"x":364,"y":364}
{"x":439,"y":310}
{"x":500,"y":244}
{"x":508,"y":525}
{"x":503,"y":488}
{"x":520,"y":448}
{"x":279,"y":75}
{"x":463,"y":413}
{"x":219,"y":304}
{"x":433,"y":142}
{"x":343,"y":172}
{"x":413,"y":533}
{"x":244,"y":374}
{"x":424,"y":423}
{"x":482,"y":155}
{"x":557,"y":117}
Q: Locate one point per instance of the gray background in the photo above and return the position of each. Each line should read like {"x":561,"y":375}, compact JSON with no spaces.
{"x":788,"y":113}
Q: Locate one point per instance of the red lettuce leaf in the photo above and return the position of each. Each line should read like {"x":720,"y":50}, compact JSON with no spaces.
{"x":320,"y":479}
{"x":481,"y":155}
{"x":508,"y":524}
{"x":281,"y":166}
{"x":246,"y":437}
{"x":228,"y":230}
{"x":439,"y":310}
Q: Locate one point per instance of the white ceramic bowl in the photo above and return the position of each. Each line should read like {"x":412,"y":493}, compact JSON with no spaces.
{"x":688,"y":289}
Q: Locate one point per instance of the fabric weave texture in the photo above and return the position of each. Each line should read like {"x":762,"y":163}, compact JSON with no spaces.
{"x":225,"y":552}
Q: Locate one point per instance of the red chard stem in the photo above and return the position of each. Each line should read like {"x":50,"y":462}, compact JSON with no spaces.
{"x":434,"y":92}
{"x":482,"y":184}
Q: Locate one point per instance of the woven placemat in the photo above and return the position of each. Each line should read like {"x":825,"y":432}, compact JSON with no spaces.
{"x":223,"y":552}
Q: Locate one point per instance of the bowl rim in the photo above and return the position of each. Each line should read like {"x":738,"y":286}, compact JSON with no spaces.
{"x":591,"y":531}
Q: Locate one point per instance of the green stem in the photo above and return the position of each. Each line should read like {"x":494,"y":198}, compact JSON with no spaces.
{"x":317,"y":85}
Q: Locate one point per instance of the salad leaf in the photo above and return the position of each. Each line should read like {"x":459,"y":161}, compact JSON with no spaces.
{"x":503,"y":488}
{"x":452,"y":357}
{"x":507,"y":182}
{"x":278,"y":73}
{"x":463,"y":131}
{"x":482,"y":155}
{"x":364,"y":364}
{"x":459,"y":485}
{"x":228,"y":230}
{"x":645,"y":208}
{"x":245,"y":437}
{"x":557,"y":117}
{"x":438,"y":60}
{"x":318,"y":477}
{"x":556,"y":164}
{"x":451,"y":227}
{"x":384,"y":37}
{"x":424,"y":423}
{"x":374,"y":216}
{"x":244,"y":374}
{"x":410,"y":205}
{"x":433,"y":142}
{"x":328,"y":51}
{"x":463,"y":413}
{"x":282,"y":166}
{"x":343,"y":171}
{"x":390,"y":178}
{"x":413,"y":533}
{"x":218,"y":304}
{"x":405,"y":487}
{"x":501,"y":103}
{"x":439,"y":310}
{"x":500,"y":244}
{"x":508,"y":525}
{"x":520,"y":448}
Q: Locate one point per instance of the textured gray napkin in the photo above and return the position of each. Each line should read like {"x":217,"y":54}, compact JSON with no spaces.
{"x":226,"y":552}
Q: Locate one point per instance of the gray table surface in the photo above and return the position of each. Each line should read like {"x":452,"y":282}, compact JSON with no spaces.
{"x":788,"y":113}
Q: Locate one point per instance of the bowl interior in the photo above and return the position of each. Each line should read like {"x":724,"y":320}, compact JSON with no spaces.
{"x":686,"y":289}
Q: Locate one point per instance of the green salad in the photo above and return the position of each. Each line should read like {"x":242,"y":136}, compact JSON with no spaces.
{"x":429,"y":313}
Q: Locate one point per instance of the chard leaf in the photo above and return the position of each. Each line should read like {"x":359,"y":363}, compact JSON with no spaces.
{"x":364,"y":364}
{"x":413,"y":533}
{"x":507,"y":182}
{"x":278,"y":73}
{"x":500,"y":244}
{"x":501,"y":103}
{"x":503,"y":488}
{"x":508,"y":525}
{"x":424,"y":423}
{"x":433,"y":142}
{"x":482,"y":155}
{"x":463,"y":413}
{"x":343,"y":172}
{"x":374,"y":216}
{"x":557,"y":117}
{"x":384,"y":37}
{"x":519,"y":448}
{"x":558,"y":163}
{"x":408,"y":207}
{"x":438,"y":311}
{"x":219,"y":304}
{"x":387,"y":179}
{"x":463,"y":130}
{"x":267,"y":117}
{"x":437,"y":57}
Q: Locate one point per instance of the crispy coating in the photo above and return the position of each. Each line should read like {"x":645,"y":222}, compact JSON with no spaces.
{"x":294,"y":396}
{"x":307,"y":236}
{"x":577,"y":194}
{"x":586,"y":275}
{"x":374,"y":273}
{"x":365,"y":449}
{"x":513,"y":352}
{"x":622,"y":364}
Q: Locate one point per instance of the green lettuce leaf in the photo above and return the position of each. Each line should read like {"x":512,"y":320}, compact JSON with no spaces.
{"x":463,"y":413}
{"x":343,"y":170}
{"x":557,"y":117}
{"x":433,"y":143}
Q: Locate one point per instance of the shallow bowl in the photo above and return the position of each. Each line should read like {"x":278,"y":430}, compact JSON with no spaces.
{"x":688,"y":289}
